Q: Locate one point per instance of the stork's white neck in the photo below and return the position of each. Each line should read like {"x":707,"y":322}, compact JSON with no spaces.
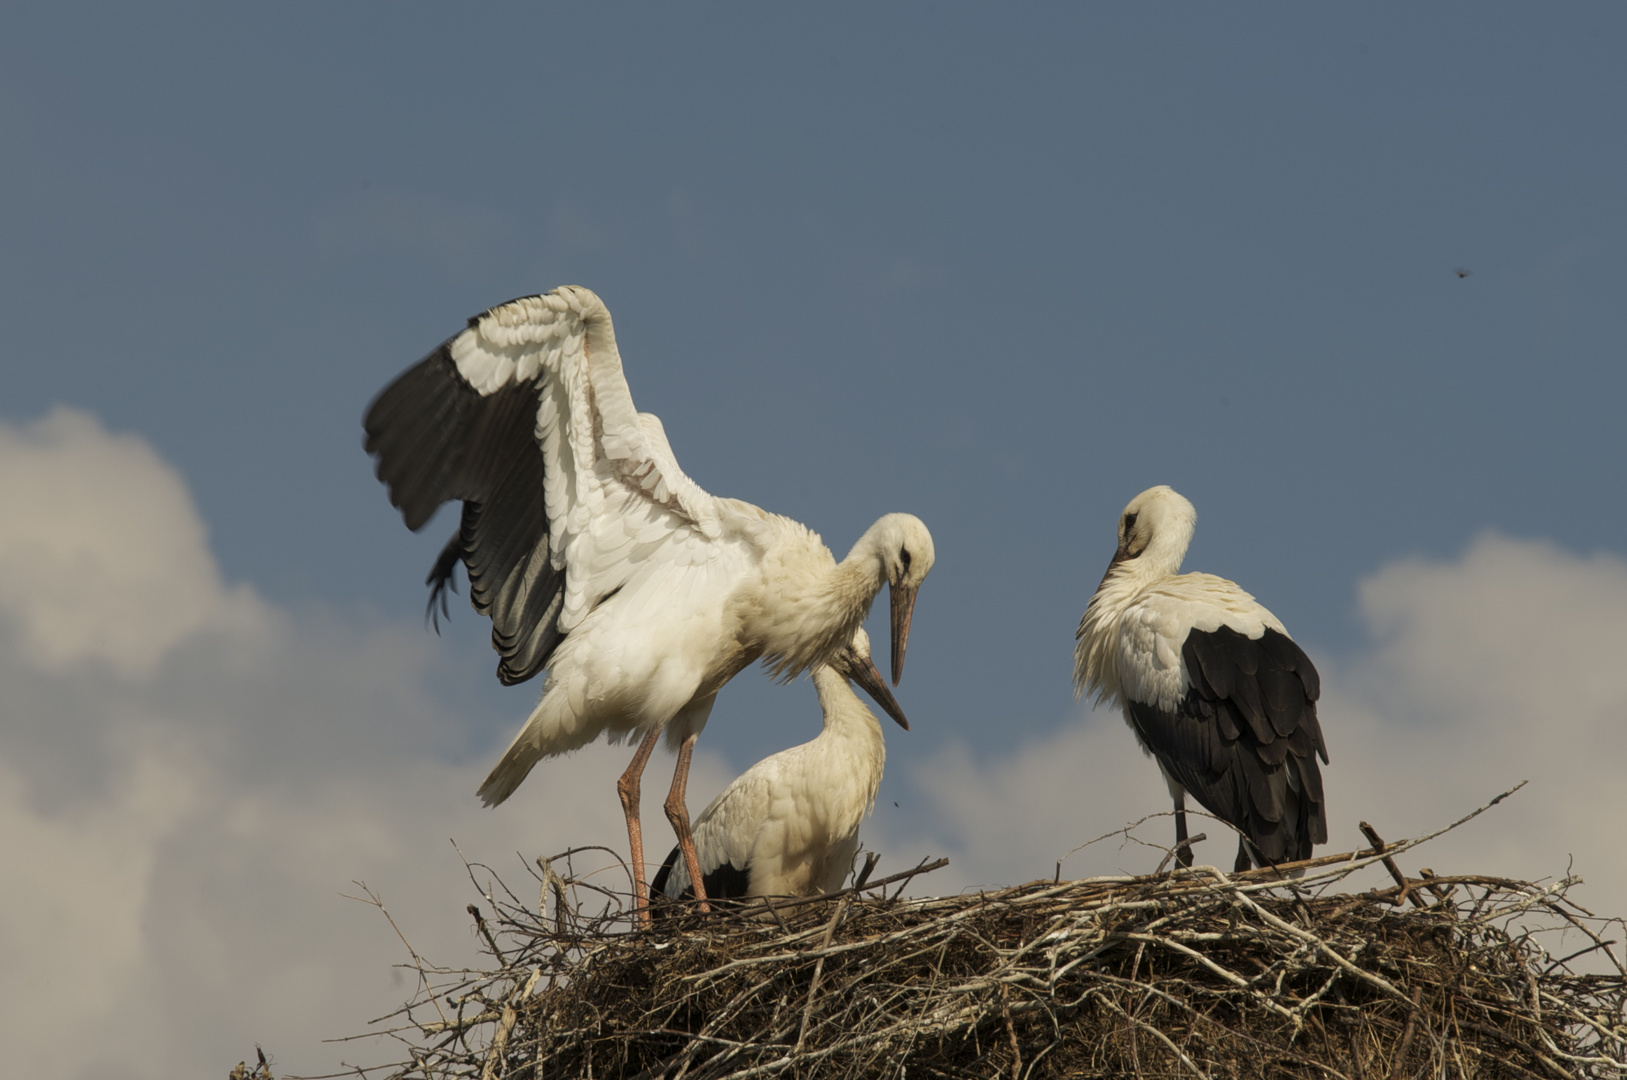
{"x":1171,"y":525}
{"x":1096,"y":654}
{"x":845,"y":712}
{"x":855,"y":749}
{"x":867,"y":555}
{"x":808,"y":605}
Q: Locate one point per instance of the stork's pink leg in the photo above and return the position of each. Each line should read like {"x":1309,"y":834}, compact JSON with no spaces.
{"x":627,"y":788}
{"x":678,"y":814}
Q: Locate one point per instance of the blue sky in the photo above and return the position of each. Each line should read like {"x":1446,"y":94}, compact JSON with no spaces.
{"x":1003,"y":269}
{"x":1005,"y":273}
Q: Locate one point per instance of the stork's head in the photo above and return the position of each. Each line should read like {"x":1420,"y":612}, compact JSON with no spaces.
{"x":1154,"y":531}
{"x":853,"y":662}
{"x":905,"y":549}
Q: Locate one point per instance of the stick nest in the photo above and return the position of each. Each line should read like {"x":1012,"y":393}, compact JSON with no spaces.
{"x":1193,"y":973}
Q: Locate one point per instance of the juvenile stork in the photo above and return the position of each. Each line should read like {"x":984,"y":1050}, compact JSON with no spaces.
{"x":789,"y":825}
{"x":597,"y":558}
{"x":1211,"y":684}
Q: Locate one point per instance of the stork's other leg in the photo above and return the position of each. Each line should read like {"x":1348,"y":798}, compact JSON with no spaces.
{"x":678,"y":814}
{"x":1177,"y":795}
{"x":627,"y":788}
{"x":1183,"y":849}
{"x":1243,"y":861}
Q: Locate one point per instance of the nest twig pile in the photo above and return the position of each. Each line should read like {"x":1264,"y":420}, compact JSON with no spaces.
{"x":1193,"y":973}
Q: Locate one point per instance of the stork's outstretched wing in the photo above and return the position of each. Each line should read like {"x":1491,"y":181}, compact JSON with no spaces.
{"x":526,"y":418}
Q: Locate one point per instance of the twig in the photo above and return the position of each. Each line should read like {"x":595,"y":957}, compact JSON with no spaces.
{"x":1400,"y":1057}
{"x":1011,"y":1034}
{"x":768,"y":902}
{"x":1174,"y":852}
{"x":1161,"y":1037}
{"x":819,"y":971}
{"x":499,"y":1041}
{"x":1389,"y":864}
{"x":871,"y":858}
{"x":418,"y":961}
{"x":908,"y":876}
{"x":552,"y":881}
{"x":485,"y":932}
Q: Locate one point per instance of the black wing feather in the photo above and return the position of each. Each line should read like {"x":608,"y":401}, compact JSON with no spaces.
{"x":1245,"y":739}
{"x":658,"y":887}
{"x":724,"y":882}
{"x":437,"y":439}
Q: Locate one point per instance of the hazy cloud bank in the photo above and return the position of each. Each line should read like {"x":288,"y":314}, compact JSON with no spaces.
{"x":190,"y":778}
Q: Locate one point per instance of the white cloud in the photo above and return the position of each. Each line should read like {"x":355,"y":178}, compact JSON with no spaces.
{"x":102,"y":557}
{"x":190,"y":778}
{"x":1011,"y":819}
{"x":1503,"y":665}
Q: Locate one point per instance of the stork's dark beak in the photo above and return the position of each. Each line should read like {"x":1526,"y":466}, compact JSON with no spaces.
{"x":871,"y":682}
{"x":902,"y":598}
{"x":1118,"y":556}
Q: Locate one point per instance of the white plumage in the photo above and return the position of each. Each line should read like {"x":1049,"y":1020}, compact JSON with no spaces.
{"x":1211,"y":684}
{"x":597,"y":558}
{"x":789,"y":825}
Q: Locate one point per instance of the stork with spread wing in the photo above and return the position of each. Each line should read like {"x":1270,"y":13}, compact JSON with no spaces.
{"x":598,"y":560}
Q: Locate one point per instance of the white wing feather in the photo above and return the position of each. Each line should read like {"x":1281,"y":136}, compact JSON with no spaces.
{"x":1154,"y":629}
{"x":614,"y":490}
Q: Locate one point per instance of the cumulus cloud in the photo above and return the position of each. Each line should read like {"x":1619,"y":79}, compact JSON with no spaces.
{"x":1504,"y":665}
{"x":101,"y":555}
{"x":190,"y":778}
{"x":1499,"y":666}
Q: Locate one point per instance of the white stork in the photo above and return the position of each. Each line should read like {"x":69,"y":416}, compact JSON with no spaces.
{"x":1211,"y":684}
{"x":597,"y":558}
{"x":789,"y":825}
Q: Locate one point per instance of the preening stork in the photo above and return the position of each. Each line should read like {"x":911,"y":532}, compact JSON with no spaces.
{"x":597,"y":558}
{"x":1211,"y":684}
{"x":789,"y":825}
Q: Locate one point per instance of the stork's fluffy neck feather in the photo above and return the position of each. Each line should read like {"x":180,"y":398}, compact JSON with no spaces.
{"x":817,"y":603}
{"x":1154,"y":532}
{"x":851,"y":754}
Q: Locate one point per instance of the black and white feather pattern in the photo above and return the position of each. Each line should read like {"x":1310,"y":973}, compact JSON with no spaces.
{"x":1244,"y":739}
{"x":1211,"y":683}
{"x":526,"y":419}
{"x":438,"y":440}
{"x":725,"y":881}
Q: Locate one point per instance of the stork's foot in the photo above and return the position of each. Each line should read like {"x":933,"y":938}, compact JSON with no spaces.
{"x":1183,"y":846}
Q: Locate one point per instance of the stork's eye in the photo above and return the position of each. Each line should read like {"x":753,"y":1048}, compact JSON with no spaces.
{"x":904,"y":557}
{"x":1129,"y":524}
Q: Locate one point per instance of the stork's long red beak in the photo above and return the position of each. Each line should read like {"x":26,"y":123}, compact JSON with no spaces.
{"x":902,"y":598}
{"x":871,"y":682}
